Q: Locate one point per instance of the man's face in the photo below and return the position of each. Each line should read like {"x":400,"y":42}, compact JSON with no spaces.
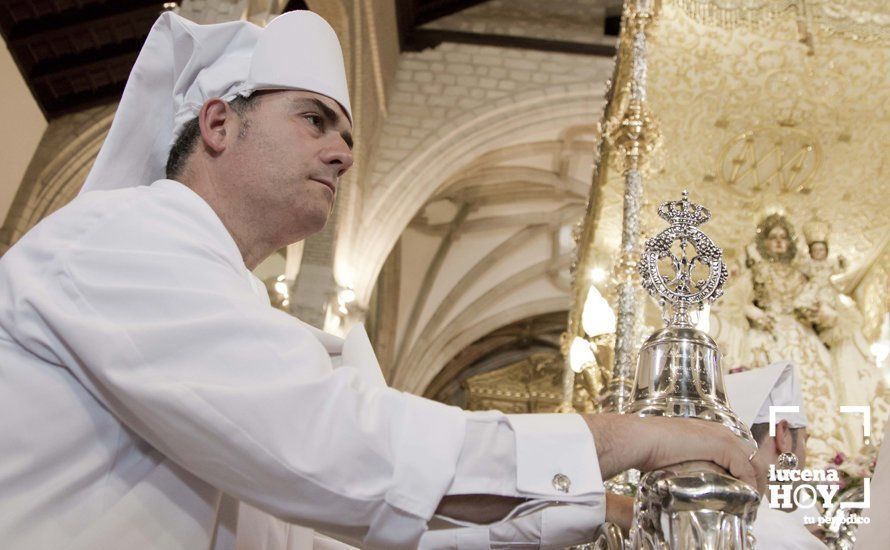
{"x":800,"y":445}
{"x":777,"y":240}
{"x":286,"y":165}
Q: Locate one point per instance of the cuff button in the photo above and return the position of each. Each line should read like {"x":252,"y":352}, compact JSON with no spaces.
{"x":562,"y":483}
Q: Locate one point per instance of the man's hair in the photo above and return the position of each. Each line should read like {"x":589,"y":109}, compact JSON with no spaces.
{"x":191,"y":132}
{"x":761,"y":432}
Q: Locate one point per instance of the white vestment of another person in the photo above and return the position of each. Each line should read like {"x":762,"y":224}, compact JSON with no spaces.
{"x":876,"y":534}
{"x":750,"y":394}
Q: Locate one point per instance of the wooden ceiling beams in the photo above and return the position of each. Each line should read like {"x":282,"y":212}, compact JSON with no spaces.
{"x":413,"y":14}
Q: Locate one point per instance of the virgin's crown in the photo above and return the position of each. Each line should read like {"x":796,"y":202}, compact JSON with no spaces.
{"x":683,"y":212}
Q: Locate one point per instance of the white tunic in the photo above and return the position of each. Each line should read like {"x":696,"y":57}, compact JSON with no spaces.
{"x":143,"y":380}
{"x":778,"y":530}
{"x":875,"y":535}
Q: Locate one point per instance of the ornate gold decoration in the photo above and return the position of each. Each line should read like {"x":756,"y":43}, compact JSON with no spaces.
{"x":634,"y":137}
{"x":771,"y":159}
{"x":709,"y":85}
{"x":532,"y":385}
{"x":631,"y":139}
{"x":857,"y":20}
{"x":739,"y":13}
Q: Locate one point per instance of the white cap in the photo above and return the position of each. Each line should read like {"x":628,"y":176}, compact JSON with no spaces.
{"x":751,"y":393}
{"x":183,"y":64}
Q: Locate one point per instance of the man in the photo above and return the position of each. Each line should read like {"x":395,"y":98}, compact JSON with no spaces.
{"x":148,"y":387}
{"x":751,"y":394}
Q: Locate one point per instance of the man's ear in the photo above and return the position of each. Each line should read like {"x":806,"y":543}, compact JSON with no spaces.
{"x":212,"y":120}
{"x":784,"y":438}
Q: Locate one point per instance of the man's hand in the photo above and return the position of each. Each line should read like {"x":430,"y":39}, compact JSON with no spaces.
{"x":626,"y":441}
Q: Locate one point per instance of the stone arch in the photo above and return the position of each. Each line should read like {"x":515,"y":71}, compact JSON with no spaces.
{"x":518,"y":341}
{"x":459,"y":338}
{"x":57,"y":172}
{"x":438,"y":156}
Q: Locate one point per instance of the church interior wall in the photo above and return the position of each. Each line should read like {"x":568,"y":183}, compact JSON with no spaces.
{"x":449,"y":105}
{"x":525,"y":100}
{"x":508,"y":132}
{"x":24,"y":124}
{"x":56,"y":171}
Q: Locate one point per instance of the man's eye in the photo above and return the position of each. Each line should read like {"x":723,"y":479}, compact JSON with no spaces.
{"x":315,"y":120}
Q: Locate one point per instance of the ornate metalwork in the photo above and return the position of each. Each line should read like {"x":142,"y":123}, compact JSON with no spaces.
{"x":690,"y":505}
{"x":704,"y":510}
{"x":681,"y":290}
{"x":860,"y":21}
{"x":608,"y":537}
{"x":636,"y":136}
{"x":841,"y":532}
{"x":780,"y":159}
{"x":634,"y":139}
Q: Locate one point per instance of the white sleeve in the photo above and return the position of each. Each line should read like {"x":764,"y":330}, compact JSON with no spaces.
{"x":165,"y":332}
{"x":549,"y":459}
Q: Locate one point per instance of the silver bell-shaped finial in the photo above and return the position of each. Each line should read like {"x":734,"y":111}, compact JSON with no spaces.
{"x":678,"y":371}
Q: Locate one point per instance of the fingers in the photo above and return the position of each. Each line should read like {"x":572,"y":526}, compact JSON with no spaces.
{"x":738,"y":465}
{"x":619,"y":510}
{"x":684,"y":440}
{"x":721,"y":446}
{"x":761,"y":467}
{"x":627,"y":441}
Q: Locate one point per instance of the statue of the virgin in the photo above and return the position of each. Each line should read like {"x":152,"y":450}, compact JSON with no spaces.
{"x":782,"y":321}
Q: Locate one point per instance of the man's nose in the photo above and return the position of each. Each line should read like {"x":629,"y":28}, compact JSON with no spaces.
{"x":338,"y":154}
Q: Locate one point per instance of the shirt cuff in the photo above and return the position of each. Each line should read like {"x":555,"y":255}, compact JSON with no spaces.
{"x":539,"y":456}
{"x":555,"y":457}
{"x":427,"y":447}
{"x":549,"y":459}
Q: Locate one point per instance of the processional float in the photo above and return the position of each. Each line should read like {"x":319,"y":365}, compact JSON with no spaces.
{"x":676,"y":372}
{"x":691,"y":505}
